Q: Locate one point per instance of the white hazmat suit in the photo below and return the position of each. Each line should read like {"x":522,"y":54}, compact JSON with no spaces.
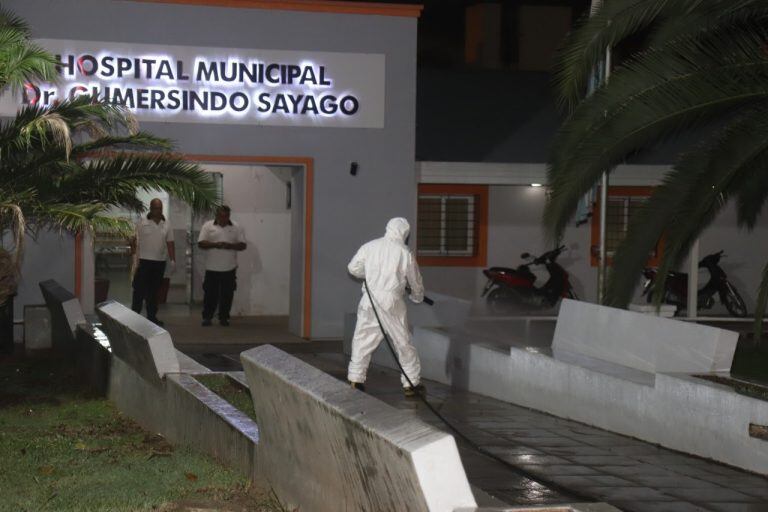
{"x":388,"y":266}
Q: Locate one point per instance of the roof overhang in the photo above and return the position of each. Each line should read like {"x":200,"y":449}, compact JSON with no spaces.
{"x":327,"y":6}
{"x":526,"y":173}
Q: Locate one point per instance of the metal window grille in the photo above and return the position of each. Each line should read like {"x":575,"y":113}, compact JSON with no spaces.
{"x":447,"y":225}
{"x":620,"y":212}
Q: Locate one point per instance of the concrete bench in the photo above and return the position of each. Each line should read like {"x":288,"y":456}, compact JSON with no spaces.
{"x":675,"y":410}
{"x":66,"y":314}
{"x":144,"y":346}
{"x":644,"y":342}
{"x":327,"y":447}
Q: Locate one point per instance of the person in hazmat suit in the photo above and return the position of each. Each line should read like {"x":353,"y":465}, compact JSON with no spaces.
{"x":388,"y":266}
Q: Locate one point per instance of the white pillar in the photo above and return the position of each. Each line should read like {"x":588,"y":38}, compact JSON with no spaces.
{"x":693,"y":281}
{"x":601,"y":262}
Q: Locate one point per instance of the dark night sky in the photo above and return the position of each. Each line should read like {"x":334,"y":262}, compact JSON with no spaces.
{"x":498,"y":114}
{"x":441,"y":26}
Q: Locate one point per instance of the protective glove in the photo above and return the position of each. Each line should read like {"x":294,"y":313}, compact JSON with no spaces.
{"x":172,"y":267}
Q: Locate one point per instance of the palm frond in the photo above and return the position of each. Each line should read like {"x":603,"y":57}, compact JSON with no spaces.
{"x":24,"y":63}
{"x":751,"y":199}
{"x":47,"y":128}
{"x":616,"y":21}
{"x":762,"y":302}
{"x":139,"y":141}
{"x":39,"y":126}
{"x":585,"y":46}
{"x":10,"y":20}
{"x":12,"y":215}
{"x":113,"y":180}
{"x":643,"y":234}
{"x":707,"y":19}
{"x":689,"y":200}
{"x":44,"y":187}
{"x":81,"y":217}
{"x":53,"y":162}
{"x":709,"y":81}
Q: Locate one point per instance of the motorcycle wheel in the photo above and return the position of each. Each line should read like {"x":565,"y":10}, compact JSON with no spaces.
{"x":733,"y":302}
{"x":498,"y":300}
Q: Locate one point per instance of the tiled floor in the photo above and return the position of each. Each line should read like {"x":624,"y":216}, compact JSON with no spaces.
{"x":554,"y":460}
{"x":557,"y":460}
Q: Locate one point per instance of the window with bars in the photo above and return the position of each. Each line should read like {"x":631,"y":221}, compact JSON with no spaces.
{"x":623,"y":204}
{"x":451,"y":224}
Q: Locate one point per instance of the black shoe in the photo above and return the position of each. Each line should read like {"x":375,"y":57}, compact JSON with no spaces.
{"x":417,"y":390}
{"x":224,"y":322}
{"x":357,"y":385}
{"x":206,"y":322}
{"x":156,"y":322}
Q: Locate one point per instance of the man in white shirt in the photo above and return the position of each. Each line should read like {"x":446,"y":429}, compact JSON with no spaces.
{"x":221,"y":239}
{"x":154,"y":242}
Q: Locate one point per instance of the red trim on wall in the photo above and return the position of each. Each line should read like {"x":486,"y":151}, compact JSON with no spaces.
{"x":329,"y":6}
{"x":481,"y":258}
{"x":308,"y":164}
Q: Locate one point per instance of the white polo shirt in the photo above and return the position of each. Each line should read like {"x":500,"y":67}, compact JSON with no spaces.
{"x":152,"y":238}
{"x":221,"y":260}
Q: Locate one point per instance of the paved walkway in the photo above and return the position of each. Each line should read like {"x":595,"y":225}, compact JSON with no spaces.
{"x":557,"y":460}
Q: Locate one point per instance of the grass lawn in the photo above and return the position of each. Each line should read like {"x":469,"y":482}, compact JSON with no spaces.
{"x":751,"y":363}
{"x":231,"y":391}
{"x":62,"y":450}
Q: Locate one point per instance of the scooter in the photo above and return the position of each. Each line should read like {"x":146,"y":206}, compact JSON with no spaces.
{"x":676,"y":288}
{"x":518,"y":284}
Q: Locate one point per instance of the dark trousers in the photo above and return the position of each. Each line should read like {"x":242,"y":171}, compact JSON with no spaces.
{"x":146,"y":283}
{"x":219,"y":289}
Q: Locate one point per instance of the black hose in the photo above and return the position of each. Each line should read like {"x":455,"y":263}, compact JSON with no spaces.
{"x":552,"y":485}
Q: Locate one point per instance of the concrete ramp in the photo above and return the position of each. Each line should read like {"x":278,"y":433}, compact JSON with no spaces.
{"x":327,"y":447}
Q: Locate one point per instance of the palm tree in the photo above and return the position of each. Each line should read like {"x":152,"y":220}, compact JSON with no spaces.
{"x":698,"y":67}
{"x":66,"y":165}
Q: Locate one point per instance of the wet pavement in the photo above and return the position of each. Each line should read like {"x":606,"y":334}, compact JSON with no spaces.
{"x":554,"y":460}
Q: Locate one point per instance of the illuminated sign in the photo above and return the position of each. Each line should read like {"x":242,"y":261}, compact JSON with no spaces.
{"x":215,"y":85}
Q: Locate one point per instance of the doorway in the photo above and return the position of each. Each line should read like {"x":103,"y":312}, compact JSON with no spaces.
{"x":271,"y":198}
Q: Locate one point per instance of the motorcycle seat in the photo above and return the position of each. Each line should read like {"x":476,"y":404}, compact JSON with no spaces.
{"x":501,"y":269}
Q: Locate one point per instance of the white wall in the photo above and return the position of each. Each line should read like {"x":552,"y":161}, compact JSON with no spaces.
{"x":514,"y":226}
{"x":257,"y":196}
{"x":38,"y":265}
{"x":745,"y":255}
{"x":347,"y":210}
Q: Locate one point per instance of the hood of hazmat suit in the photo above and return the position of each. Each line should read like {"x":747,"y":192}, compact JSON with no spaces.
{"x":388,"y":266}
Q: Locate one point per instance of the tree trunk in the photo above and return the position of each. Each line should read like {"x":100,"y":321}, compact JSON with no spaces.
{"x":6,"y":326}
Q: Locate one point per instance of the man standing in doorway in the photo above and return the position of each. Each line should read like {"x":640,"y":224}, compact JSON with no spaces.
{"x":154,"y":243}
{"x":221,"y":238}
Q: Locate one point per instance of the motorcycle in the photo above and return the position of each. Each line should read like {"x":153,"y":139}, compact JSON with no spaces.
{"x":676,"y":288}
{"x":518,"y":284}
